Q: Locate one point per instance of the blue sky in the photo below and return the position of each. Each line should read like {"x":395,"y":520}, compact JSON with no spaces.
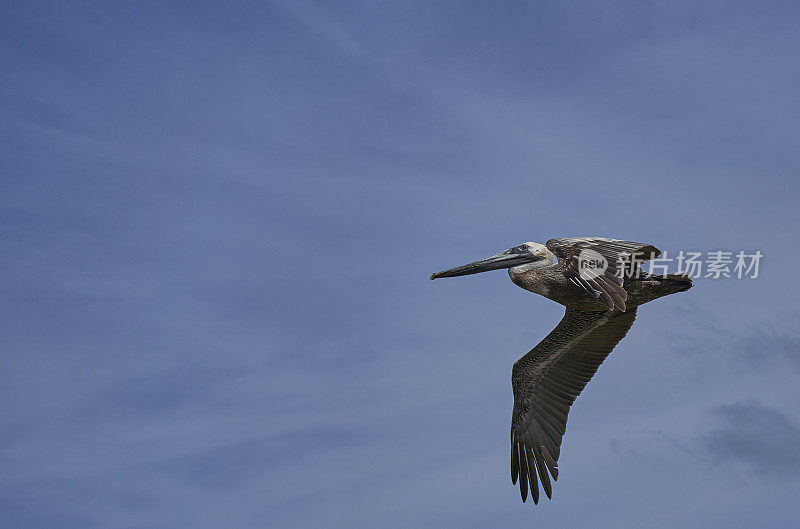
{"x":218,"y":221}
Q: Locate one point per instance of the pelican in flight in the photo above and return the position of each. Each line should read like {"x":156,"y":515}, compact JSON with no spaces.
{"x":600,"y":284}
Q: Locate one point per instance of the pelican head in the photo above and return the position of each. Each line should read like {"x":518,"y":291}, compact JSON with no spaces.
{"x":521,"y":254}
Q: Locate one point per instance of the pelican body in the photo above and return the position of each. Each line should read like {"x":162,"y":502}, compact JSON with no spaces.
{"x":599,"y":282}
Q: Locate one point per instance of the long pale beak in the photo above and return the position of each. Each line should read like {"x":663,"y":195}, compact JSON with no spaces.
{"x":502,"y":260}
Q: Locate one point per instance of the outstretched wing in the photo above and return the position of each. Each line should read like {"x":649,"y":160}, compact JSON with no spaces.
{"x":606,"y":285}
{"x":546,"y":382}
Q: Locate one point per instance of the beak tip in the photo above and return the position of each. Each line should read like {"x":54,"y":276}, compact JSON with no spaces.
{"x":433,"y":276}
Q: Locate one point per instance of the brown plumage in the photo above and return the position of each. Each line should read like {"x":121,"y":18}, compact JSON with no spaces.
{"x":600,"y":306}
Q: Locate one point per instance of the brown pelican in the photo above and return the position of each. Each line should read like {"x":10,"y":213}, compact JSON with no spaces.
{"x":600,"y":284}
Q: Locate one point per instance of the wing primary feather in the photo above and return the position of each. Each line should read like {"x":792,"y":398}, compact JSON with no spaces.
{"x":532,"y":477}
{"x":552,"y":466}
{"x":523,"y":474}
{"x":514,"y":461}
{"x":545,"y":479}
